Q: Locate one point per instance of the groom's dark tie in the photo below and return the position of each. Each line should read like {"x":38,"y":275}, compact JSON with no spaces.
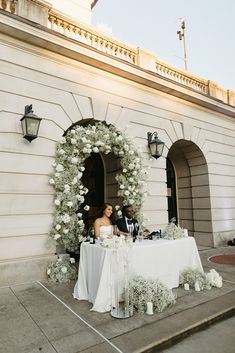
{"x":129,"y":221}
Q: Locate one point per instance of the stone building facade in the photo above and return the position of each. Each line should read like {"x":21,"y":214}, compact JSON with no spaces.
{"x":51,"y":57}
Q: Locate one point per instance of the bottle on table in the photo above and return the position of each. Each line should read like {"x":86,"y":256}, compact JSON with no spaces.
{"x":92,"y":236}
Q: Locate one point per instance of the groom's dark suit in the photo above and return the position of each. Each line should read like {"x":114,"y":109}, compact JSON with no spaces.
{"x":122,"y":226}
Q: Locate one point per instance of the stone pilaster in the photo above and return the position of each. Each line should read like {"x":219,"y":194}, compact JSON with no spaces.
{"x":34,"y":10}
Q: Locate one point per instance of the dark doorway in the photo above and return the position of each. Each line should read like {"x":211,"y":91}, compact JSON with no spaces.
{"x":93,"y":179}
{"x":171,"y":191}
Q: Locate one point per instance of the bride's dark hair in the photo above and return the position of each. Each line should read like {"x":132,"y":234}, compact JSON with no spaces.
{"x":102,"y":209}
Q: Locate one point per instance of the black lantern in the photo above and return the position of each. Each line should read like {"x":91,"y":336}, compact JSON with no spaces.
{"x":30,"y":123}
{"x":155,"y":145}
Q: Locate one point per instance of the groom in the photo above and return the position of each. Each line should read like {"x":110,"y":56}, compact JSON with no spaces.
{"x":128,"y":224}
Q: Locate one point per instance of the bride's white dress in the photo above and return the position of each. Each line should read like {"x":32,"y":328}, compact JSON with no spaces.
{"x":105,"y":232}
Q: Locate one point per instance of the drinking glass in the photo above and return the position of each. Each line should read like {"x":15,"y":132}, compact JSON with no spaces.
{"x":140,"y":235}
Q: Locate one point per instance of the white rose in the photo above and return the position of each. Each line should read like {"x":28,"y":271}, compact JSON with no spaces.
{"x":131,"y":201}
{"x":69,"y":204}
{"x":79,"y":215}
{"x":96,"y":149}
{"x":65,"y":231}
{"x":88,"y":132}
{"x":61,"y":152}
{"x":57,"y":227}
{"x":119,"y":213}
{"x":134,"y":172}
{"x":82,"y":169}
{"x":131,"y":166}
{"x":64,"y":269}
{"x":84,"y":150}
{"x":72,"y":132}
{"x":65,"y":218}
{"x":62,"y":140}
{"x":122,"y":187}
{"x":57,"y":202}
{"x":52,"y":181}
{"x":86,"y":208}
{"x":72,"y":260}
{"x":74,"y":160}
{"x":49,"y":271}
{"x":79,"y":175}
{"x":131,"y":180}
{"x":80,"y":198}
{"x":57,"y":236}
{"x":126,"y":193}
{"x":73,"y":141}
{"x":80,"y":223}
{"x":59,"y":168}
{"x":124,"y":170}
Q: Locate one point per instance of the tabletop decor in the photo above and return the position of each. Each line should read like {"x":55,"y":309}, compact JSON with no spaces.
{"x":198,"y":281}
{"x":144,"y":291}
{"x":63,"y":270}
{"x":173,"y":231}
{"x":71,"y":152}
{"x":116,"y":242}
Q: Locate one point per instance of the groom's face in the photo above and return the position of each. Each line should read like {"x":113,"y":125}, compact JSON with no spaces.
{"x":129,"y":213}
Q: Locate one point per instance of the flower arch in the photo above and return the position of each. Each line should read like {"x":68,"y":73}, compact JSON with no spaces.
{"x":71,"y":153}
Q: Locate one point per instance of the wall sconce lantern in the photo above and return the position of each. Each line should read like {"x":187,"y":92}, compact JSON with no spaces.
{"x":155,"y":145}
{"x":30,"y":123}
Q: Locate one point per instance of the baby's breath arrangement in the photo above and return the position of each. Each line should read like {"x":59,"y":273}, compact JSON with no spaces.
{"x":63,"y":270}
{"x":71,"y":152}
{"x":172,"y":231}
{"x":199,"y":281}
{"x":144,"y":290}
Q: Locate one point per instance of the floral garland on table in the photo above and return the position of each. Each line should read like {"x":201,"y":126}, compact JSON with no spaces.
{"x":63,"y":270}
{"x":172,"y":231}
{"x":71,"y":152}
{"x":199,"y":281}
{"x":144,"y":290}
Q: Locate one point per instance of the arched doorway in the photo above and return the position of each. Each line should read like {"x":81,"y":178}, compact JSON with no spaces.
{"x":192,"y":196}
{"x":171,"y":191}
{"x":99,"y":177}
{"x":93,"y":179}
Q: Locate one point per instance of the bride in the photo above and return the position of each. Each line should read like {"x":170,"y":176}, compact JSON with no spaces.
{"x":104,"y":222}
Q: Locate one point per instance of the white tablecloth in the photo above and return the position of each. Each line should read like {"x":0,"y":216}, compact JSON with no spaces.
{"x":162,"y":259}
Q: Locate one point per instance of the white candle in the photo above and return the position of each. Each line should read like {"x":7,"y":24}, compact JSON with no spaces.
{"x":185,"y":232}
{"x":197,"y":287}
{"x":149,"y":310}
{"x":186,"y":286}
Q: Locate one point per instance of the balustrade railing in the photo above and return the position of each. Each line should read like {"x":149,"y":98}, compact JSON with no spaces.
{"x":114,"y":48}
{"x":8,"y":5}
{"x":92,"y":38}
{"x":107,"y":44}
{"x":181,"y":77}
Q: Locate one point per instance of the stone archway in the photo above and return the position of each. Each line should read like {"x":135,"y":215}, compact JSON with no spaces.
{"x":77,"y":144}
{"x":192,"y":190}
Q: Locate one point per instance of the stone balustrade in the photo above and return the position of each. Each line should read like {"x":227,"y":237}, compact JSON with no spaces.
{"x":181,"y":77}
{"x":8,"y":5}
{"x":91,"y":37}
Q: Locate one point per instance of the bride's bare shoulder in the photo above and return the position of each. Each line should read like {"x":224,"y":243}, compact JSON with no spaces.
{"x":97,"y":221}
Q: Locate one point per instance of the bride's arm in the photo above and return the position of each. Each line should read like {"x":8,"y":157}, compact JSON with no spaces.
{"x":97,"y":228}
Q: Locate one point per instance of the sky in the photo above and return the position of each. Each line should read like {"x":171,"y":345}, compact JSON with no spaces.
{"x":153,"y":25}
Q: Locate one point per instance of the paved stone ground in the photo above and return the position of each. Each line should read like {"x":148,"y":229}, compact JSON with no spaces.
{"x":44,"y":317}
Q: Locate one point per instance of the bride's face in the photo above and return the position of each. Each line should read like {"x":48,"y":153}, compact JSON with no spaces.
{"x":108,"y":211}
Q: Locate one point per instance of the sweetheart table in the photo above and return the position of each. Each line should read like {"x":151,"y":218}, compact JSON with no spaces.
{"x":162,"y":259}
